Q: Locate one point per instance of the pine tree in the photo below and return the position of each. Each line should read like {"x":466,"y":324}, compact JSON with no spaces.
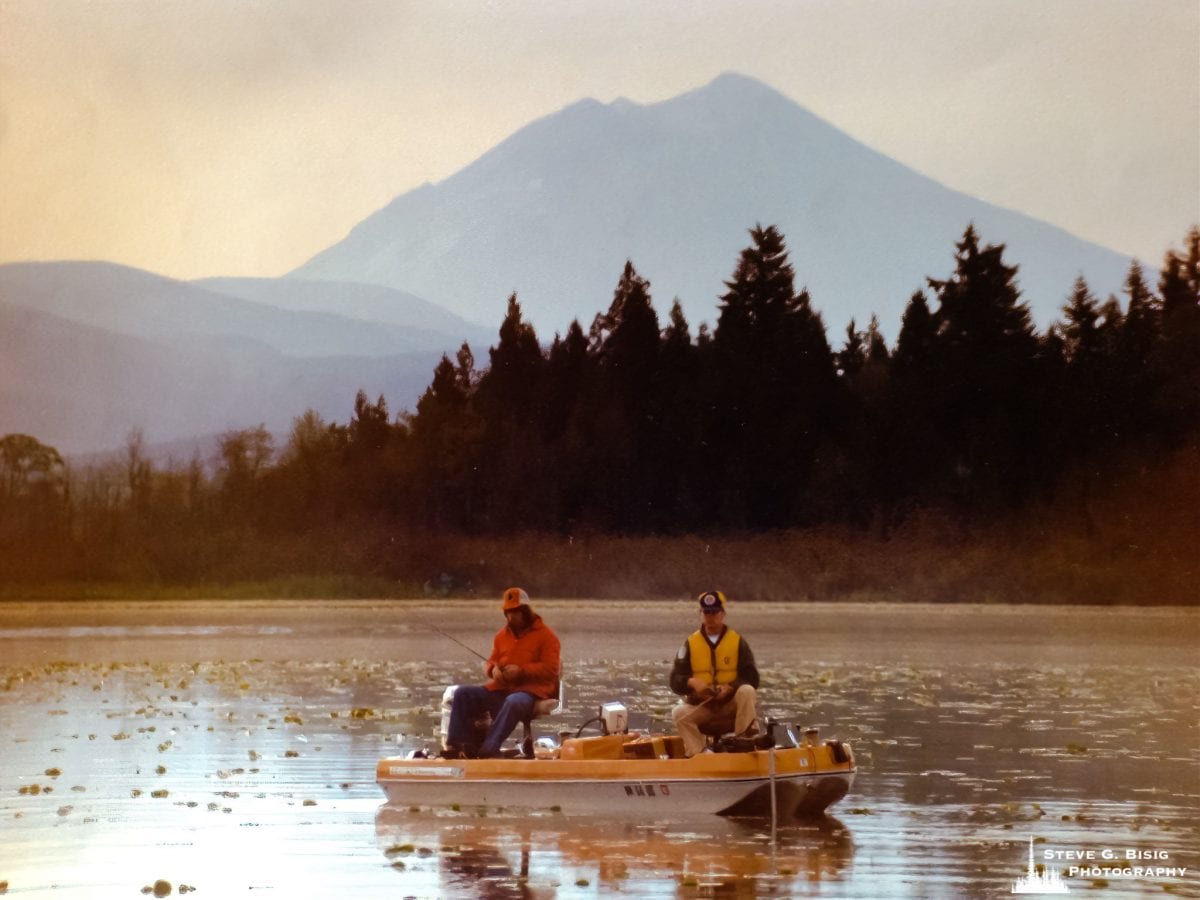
{"x":915,"y":453}
{"x":626,"y":346}
{"x":509,"y":400}
{"x":447,"y":437}
{"x":678,"y":457}
{"x":1178,"y":364}
{"x":853,"y":355}
{"x":991,"y":408}
{"x":1086,"y":395}
{"x":777,"y":390}
{"x":512,"y":388}
{"x":863,"y":367}
{"x":567,"y":427}
{"x":1081,"y":333}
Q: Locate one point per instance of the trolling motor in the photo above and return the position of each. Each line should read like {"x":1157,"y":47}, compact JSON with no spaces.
{"x":613,"y":718}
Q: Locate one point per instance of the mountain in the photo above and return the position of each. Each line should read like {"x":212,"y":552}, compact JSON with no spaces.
{"x":312,"y":321}
{"x":554,"y":211}
{"x":89,"y":351}
{"x":81,"y":388}
{"x":423,"y":324}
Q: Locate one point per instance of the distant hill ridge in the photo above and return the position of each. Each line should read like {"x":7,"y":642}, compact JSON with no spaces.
{"x":91,"y":350}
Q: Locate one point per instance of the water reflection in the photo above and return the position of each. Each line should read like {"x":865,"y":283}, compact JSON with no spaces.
{"x":506,"y":856}
{"x":232,"y":762}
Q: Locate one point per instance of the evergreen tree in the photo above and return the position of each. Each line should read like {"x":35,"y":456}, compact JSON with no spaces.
{"x":446,"y":438}
{"x":915,"y":454}
{"x":626,"y":343}
{"x":678,"y":458}
{"x":1081,"y":332}
{"x":863,"y":366}
{"x":853,"y":355}
{"x":877,"y":351}
{"x":1135,"y":356}
{"x":1086,"y":393}
{"x":1142,"y":325}
{"x":512,"y":385}
{"x":916,"y":350}
{"x":990,"y":406}
{"x":509,"y":400}
{"x":775,"y":404}
{"x":567,"y":375}
{"x":567,"y":427}
{"x":1178,"y":363}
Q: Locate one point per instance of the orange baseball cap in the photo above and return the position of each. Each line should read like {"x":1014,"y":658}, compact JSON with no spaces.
{"x":513,"y":598}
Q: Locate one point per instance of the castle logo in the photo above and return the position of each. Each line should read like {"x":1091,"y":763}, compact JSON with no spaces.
{"x":1048,"y":881}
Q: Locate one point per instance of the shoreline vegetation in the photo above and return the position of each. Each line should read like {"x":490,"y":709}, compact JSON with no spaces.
{"x":1131,"y":544}
{"x":977,"y":460}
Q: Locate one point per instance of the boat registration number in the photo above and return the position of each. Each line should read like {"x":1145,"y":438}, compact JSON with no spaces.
{"x":428,"y":771}
{"x":647,"y":790}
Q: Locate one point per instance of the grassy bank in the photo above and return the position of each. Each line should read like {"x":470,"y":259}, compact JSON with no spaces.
{"x":1128,"y":541}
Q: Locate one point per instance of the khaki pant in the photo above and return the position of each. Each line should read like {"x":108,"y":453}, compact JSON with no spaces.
{"x":693,"y":722}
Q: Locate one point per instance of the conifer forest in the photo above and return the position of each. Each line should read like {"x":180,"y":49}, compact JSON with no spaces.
{"x":623,"y":453}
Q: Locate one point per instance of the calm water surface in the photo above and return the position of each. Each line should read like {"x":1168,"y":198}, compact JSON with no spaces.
{"x":229,"y":750}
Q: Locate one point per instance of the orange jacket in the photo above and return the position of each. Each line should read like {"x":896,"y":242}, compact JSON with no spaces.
{"x":536,"y":651}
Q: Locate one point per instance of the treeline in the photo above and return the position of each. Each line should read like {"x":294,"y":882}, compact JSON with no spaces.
{"x":638,"y":427}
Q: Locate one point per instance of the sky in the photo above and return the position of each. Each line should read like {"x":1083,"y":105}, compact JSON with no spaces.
{"x":198,"y":138}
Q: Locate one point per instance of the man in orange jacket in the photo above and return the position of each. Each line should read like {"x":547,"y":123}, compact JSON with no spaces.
{"x":523,"y":668}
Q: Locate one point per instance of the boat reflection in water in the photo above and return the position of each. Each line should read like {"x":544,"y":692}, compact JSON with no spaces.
{"x":461,"y":854}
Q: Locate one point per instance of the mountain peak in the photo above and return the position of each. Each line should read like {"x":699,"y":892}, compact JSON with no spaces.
{"x":734,"y":88}
{"x":555,"y":210}
{"x":728,"y":82}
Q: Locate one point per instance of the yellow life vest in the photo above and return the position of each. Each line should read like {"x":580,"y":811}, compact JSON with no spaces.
{"x":722,"y":659}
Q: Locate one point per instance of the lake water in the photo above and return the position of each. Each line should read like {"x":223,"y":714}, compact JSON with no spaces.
{"x":229,"y":749}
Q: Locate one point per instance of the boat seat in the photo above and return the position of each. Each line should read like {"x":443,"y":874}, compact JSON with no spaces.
{"x":551,"y":706}
{"x":717,"y":736}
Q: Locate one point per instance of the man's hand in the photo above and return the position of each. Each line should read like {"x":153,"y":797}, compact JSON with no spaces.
{"x":723,"y":692}
{"x":507,"y":675}
{"x":700,"y":688}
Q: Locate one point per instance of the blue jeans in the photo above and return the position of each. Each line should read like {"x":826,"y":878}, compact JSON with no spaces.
{"x":471,"y":701}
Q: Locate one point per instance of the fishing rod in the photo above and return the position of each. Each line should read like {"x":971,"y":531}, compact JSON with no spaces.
{"x":451,"y":637}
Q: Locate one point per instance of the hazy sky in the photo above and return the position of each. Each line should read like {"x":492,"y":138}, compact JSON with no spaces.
{"x":239,"y":137}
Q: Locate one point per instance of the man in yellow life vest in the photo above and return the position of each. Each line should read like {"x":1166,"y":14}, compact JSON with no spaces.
{"x":715,"y":673}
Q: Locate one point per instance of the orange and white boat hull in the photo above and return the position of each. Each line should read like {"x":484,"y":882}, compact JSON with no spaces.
{"x":803,"y":780}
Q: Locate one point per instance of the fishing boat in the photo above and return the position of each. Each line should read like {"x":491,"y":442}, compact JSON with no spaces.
{"x":628,"y":773}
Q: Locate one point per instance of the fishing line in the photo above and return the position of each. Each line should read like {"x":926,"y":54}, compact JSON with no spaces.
{"x":451,"y":637}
